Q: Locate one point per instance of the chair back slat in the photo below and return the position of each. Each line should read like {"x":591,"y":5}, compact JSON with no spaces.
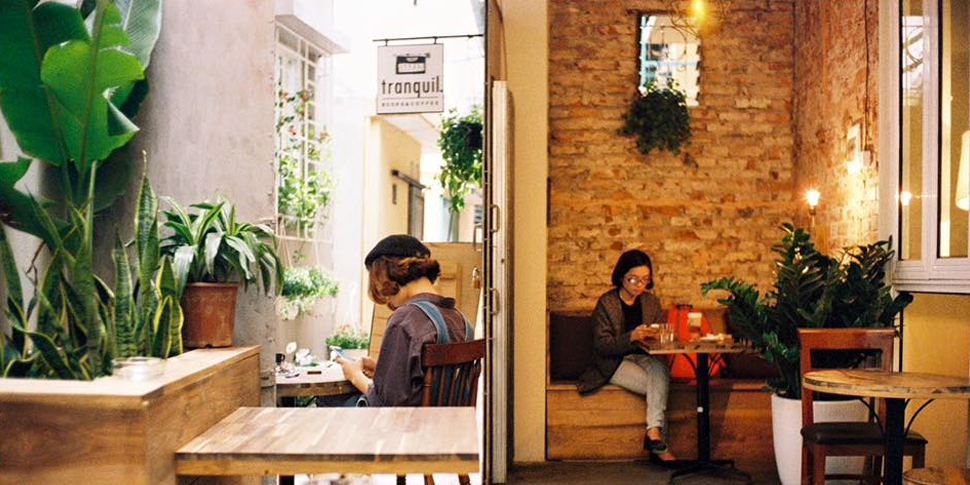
{"x":815,"y":339}
{"x":451,"y":373}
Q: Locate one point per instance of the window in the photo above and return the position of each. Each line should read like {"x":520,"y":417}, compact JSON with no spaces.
{"x":304,"y":183}
{"x":669,"y":53}
{"x":932,"y":173}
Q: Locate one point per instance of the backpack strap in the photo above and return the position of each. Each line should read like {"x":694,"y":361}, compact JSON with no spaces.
{"x":432,"y":312}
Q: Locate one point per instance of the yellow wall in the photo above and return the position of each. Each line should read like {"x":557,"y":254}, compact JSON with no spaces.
{"x":936,"y":338}
{"x":387,"y":148}
{"x":525,"y":61}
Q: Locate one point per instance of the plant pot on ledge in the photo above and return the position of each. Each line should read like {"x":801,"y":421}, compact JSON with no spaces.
{"x":210,"y":314}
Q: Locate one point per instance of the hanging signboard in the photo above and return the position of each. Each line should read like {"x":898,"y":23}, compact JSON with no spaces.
{"x":409,"y":79}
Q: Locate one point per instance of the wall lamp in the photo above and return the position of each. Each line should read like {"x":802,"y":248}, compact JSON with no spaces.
{"x":812,"y":196}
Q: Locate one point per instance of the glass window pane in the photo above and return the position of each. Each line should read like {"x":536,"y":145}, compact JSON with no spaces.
{"x":954,"y":134}
{"x":911,"y":133}
{"x":669,"y":51}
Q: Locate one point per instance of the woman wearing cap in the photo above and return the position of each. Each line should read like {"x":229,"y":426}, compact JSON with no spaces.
{"x":402,"y":275}
{"x":621,"y":321}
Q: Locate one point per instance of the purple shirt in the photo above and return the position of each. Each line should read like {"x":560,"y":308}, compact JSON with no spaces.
{"x":399,"y":377}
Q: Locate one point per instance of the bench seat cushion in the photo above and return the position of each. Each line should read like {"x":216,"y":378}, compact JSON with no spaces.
{"x":852,"y":433}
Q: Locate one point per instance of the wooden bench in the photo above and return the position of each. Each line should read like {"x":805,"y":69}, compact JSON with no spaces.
{"x":609,"y":424}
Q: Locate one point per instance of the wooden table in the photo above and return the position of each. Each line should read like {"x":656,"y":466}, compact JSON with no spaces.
{"x":328,"y":382}
{"x":938,"y":476}
{"x":704,"y":463}
{"x":290,"y":441}
{"x":897,"y":388}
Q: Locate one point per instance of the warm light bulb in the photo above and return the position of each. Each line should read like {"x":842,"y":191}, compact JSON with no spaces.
{"x":904,"y":197}
{"x":812,"y":197}
{"x":698,"y":10}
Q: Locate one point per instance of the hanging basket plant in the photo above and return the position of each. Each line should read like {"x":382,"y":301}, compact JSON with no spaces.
{"x":461,"y":148}
{"x":659,"y":119}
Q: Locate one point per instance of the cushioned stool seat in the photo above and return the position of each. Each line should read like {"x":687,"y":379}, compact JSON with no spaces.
{"x":851,"y":433}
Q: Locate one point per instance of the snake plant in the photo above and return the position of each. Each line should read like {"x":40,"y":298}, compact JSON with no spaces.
{"x":79,"y":331}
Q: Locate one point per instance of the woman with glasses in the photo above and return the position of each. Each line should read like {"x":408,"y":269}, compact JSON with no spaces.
{"x":621,"y":322}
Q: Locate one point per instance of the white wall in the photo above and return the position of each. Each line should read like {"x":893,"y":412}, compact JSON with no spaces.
{"x":355,"y":90}
{"x":208,"y":127}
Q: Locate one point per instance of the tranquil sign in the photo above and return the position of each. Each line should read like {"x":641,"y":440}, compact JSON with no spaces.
{"x":409,"y":79}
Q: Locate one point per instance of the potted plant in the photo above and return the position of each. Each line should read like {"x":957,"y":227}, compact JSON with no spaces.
{"x":460,"y":141}
{"x":812,"y":290}
{"x":659,"y":118}
{"x":302,"y":287}
{"x":212,"y":254}
{"x":352,"y":341}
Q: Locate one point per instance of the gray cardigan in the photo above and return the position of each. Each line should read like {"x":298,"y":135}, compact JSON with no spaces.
{"x":610,"y":340}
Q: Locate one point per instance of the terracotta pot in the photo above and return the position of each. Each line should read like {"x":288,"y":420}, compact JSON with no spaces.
{"x":210,"y":314}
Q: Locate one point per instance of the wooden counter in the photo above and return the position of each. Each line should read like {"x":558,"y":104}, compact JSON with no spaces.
{"x":119,"y":431}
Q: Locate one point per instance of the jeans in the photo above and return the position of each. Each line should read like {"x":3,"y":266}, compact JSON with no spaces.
{"x":650,"y":377}
{"x":355,"y":400}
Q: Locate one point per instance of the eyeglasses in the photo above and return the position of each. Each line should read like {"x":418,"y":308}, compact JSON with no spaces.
{"x":636,"y":280}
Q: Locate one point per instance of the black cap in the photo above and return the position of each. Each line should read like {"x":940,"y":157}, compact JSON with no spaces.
{"x":397,"y":246}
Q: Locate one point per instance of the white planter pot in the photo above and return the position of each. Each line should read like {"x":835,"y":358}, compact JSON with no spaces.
{"x":786,"y":425}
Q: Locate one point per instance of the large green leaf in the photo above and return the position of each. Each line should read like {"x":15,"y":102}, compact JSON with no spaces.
{"x":142,"y":21}
{"x":80,"y":72}
{"x":8,"y":270}
{"x":54,"y":356}
{"x":26,"y":34}
{"x":16,"y":207}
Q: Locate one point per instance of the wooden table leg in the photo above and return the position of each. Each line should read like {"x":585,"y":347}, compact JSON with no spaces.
{"x":895,"y":422}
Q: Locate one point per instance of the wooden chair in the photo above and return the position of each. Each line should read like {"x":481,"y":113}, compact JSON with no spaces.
{"x":451,"y":373}
{"x":821,"y":440}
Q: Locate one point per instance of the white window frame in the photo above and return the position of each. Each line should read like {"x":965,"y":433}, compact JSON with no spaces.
{"x":930,"y":273}
{"x":317,"y":114}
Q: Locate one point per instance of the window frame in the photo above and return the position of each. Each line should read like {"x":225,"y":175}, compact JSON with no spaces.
{"x":930,"y":273}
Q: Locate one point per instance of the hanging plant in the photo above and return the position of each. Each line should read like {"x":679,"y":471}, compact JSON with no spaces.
{"x":302,"y":287}
{"x":305,"y":188}
{"x":461,"y":148}
{"x":659,"y":118}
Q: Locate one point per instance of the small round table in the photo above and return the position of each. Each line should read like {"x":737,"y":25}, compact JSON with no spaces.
{"x":897,"y":388}
{"x":321,"y":380}
{"x":938,"y":476}
{"x":704,"y":463}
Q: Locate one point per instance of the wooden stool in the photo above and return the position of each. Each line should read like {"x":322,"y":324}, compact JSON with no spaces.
{"x":937,"y":476}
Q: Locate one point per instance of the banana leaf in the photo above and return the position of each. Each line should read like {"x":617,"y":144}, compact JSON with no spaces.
{"x":16,"y":208}
{"x":79,"y":72}
{"x":27,"y":31}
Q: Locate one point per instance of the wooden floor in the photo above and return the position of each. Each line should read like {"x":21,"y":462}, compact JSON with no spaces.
{"x":562,"y":473}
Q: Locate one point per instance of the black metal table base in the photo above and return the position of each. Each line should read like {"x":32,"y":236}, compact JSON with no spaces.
{"x":724,"y":468}
{"x":704,"y":464}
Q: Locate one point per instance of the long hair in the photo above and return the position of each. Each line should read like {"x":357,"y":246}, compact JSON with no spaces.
{"x":389,"y":274}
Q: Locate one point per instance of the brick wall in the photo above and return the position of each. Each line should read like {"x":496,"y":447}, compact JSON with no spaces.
{"x":719,"y":218}
{"x":830,"y":97}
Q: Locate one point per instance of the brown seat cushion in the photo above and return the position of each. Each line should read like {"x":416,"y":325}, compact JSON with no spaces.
{"x":570,"y":344}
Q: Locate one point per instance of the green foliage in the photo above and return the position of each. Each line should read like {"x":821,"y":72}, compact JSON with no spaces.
{"x":82,"y":323}
{"x":812,"y":290}
{"x":64,"y":89}
{"x":460,"y":141}
{"x":302,"y":287}
{"x":348,"y":337}
{"x":305,"y":188}
{"x":659,"y":118}
{"x":211,"y":246}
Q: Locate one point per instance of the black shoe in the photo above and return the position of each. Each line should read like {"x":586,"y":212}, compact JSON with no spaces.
{"x":668,"y":464}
